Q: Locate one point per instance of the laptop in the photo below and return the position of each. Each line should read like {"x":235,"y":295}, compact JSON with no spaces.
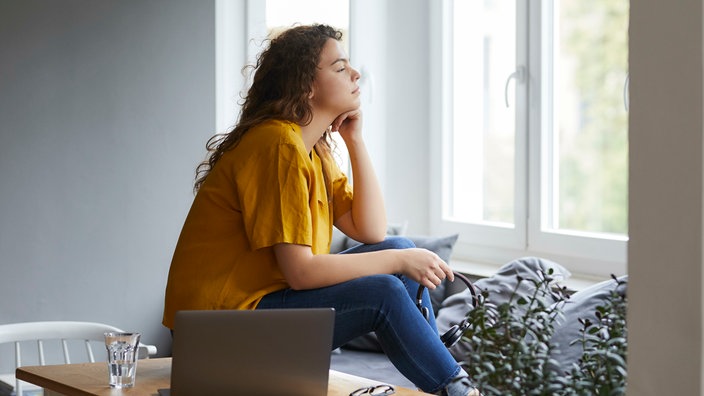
{"x":252,"y":352}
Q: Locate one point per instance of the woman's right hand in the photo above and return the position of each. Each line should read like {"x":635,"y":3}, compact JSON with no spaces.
{"x":348,"y":125}
{"x":424,"y":267}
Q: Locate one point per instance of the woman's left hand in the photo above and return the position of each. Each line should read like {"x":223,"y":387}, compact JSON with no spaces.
{"x":349,"y":124}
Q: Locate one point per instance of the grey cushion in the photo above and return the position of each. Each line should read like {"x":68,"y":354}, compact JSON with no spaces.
{"x":339,"y":241}
{"x":500,"y":286}
{"x":581,"y":305}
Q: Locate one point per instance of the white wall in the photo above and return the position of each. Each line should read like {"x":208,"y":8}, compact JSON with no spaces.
{"x":407,"y":123}
{"x":105,"y":108}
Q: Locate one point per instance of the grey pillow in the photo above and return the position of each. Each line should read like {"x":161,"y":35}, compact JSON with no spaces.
{"x":443,"y":248}
{"x":581,"y":305}
{"x":500,"y":286}
{"x":338,"y":242}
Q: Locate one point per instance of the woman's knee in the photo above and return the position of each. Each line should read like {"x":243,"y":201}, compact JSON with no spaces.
{"x":380,"y":282}
{"x":381,"y":287}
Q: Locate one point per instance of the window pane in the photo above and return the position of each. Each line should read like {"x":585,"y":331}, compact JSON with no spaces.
{"x":589,"y":181}
{"x":483,"y":139}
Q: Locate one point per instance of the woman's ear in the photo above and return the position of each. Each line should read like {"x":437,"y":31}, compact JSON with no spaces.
{"x":311,"y":93}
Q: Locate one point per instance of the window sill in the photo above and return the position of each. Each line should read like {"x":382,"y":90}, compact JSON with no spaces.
{"x":575,"y":282}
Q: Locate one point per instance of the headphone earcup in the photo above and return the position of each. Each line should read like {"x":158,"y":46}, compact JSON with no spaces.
{"x":451,"y":336}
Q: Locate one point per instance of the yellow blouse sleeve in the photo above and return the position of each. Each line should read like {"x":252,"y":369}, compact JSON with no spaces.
{"x":274,"y":195}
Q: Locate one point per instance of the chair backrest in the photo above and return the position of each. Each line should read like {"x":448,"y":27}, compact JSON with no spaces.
{"x":62,"y":332}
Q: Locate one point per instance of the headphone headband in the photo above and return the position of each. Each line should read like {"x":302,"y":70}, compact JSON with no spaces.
{"x":464,"y":279}
{"x":454,"y":334}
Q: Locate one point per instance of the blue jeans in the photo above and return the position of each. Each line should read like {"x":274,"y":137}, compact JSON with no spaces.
{"x":386,"y":305}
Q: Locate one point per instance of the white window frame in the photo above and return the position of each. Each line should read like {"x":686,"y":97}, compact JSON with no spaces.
{"x":583,"y":253}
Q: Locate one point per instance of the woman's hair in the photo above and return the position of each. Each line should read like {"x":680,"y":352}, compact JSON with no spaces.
{"x":283,"y":79}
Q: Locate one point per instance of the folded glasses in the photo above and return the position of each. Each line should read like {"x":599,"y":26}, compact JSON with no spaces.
{"x":377,"y":390}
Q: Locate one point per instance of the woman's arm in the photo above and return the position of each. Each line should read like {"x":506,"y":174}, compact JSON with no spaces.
{"x":304,"y":270}
{"x":366,"y":221}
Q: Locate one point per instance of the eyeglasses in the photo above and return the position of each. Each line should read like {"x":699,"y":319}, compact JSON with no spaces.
{"x":377,"y":390}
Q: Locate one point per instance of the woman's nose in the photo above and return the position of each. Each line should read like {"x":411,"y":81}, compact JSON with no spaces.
{"x":355,"y":75}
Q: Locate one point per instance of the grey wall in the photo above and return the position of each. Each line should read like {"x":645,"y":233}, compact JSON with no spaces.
{"x":105,"y":108}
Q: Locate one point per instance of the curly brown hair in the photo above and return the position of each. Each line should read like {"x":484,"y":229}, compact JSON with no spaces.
{"x":283,"y":79}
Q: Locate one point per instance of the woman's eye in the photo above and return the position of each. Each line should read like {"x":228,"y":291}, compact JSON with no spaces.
{"x":342,"y":69}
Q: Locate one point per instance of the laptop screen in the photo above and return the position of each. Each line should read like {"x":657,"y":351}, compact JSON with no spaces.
{"x":252,"y":352}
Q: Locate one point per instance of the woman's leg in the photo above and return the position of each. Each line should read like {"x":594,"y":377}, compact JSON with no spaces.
{"x":395,"y":242}
{"x":384,"y":304}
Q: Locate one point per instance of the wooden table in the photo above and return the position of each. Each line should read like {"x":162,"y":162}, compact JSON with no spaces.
{"x":90,"y":379}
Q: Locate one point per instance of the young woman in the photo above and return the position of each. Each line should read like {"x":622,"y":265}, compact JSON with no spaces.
{"x":258,"y":233}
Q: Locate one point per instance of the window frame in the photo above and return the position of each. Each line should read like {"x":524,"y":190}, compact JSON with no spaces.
{"x":584,"y":253}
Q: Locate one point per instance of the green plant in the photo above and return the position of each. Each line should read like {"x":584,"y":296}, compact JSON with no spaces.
{"x":602,"y":368}
{"x":510,"y":344}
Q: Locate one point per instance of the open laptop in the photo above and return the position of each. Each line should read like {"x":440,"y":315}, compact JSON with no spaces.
{"x":252,"y":352}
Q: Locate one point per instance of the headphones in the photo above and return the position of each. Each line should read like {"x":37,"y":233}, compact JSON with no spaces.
{"x":454,"y":334}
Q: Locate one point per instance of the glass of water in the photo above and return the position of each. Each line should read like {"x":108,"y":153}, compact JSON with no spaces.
{"x":122,"y":358}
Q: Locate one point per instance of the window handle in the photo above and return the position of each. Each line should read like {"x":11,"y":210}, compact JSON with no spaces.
{"x":519,"y":75}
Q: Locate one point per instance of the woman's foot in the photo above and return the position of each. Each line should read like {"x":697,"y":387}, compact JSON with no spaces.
{"x":460,"y":387}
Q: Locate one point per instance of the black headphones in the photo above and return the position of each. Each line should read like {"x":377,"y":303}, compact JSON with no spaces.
{"x":454,"y":334}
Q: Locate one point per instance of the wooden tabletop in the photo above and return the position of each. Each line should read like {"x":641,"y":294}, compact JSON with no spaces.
{"x":90,"y":379}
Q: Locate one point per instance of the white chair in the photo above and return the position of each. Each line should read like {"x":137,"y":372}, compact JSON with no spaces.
{"x":60,"y":332}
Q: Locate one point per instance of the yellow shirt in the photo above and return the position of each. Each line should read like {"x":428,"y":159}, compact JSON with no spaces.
{"x":266,"y":190}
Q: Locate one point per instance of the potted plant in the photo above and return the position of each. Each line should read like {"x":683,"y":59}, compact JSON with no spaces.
{"x":510,"y":347}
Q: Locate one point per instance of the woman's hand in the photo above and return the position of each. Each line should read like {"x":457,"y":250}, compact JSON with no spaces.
{"x":349,"y":124}
{"x":425,"y":267}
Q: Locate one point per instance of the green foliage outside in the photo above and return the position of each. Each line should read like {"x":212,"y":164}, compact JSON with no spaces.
{"x":594,"y":159}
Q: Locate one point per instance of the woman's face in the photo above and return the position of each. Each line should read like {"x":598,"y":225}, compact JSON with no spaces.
{"x":335,"y":88}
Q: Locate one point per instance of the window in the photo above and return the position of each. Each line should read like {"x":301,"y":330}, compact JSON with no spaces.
{"x":531,"y":102}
